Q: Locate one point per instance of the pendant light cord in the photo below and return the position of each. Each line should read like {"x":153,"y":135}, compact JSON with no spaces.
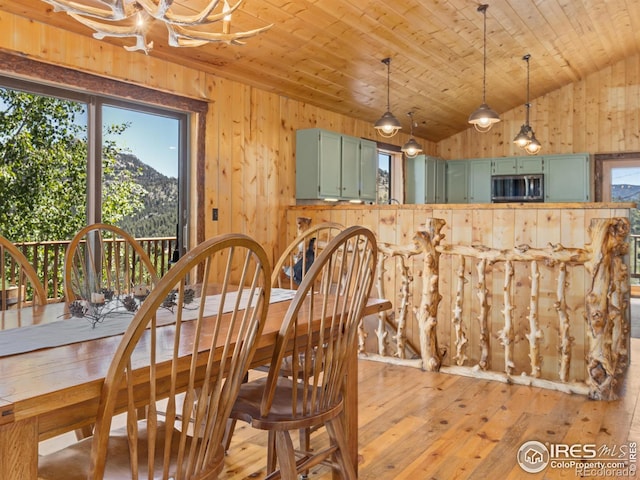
{"x":526,"y":58}
{"x":483,"y":8}
{"x":388,"y":62}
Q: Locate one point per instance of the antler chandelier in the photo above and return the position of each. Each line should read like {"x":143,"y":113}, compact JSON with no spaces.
{"x":132,"y":19}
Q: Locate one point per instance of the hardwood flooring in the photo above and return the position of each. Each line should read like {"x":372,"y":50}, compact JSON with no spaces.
{"x":420,"y":426}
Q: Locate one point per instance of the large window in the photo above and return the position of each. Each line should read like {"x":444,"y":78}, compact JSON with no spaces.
{"x":68,"y":159}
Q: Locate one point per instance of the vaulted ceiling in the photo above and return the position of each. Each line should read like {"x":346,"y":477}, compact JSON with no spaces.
{"x":328,"y":53}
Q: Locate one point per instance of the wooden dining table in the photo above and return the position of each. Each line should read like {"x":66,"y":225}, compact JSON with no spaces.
{"x":50,"y":391}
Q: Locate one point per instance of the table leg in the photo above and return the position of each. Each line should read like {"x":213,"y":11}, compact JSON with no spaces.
{"x":19,"y":450}
{"x":350,"y":414}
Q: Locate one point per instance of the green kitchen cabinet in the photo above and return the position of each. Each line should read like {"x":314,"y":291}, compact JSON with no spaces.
{"x":350,"y":168}
{"x":517,"y":165}
{"x":457,"y":181}
{"x":425,"y":180}
{"x":330,"y":165}
{"x":479,"y":182}
{"x":504,"y":166}
{"x":532,"y":164}
{"x":567,"y":178}
{"x":368,"y":170}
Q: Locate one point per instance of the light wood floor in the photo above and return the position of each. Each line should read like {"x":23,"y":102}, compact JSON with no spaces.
{"x":419,"y":425}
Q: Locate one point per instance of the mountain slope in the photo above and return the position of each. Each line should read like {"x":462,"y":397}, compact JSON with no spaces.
{"x":159,"y":216}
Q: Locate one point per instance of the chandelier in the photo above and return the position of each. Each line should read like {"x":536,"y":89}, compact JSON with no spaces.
{"x":131,"y":19}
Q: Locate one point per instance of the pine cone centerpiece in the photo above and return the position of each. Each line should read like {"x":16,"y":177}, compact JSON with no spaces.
{"x":77,"y":309}
{"x":129,"y":303}
{"x":108,"y":294}
{"x":170,"y":300}
{"x":189,"y":295}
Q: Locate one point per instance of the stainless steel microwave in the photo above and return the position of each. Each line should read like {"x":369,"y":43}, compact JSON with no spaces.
{"x":517,"y":188}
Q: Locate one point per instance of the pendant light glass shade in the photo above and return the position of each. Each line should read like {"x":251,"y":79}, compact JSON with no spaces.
{"x":412,"y":148}
{"x":522,"y":139}
{"x":388,"y":125}
{"x":526,"y":138}
{"x":534,"y":145}
{"x":484,"y":116}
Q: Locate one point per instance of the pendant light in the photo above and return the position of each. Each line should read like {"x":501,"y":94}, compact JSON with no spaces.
{"x":388,"y":125}
{"x":412,"y":148}
{"x":484,"y":116}
{"x":526,"y":138}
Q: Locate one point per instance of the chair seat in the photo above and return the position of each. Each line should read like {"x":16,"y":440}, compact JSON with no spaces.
{"x":73,"y":462}
{"x":280,"y":417}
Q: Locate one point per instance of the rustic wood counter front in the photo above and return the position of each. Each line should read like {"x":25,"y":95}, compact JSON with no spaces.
{"x":492,"y":311}
{"x":51,"y":391}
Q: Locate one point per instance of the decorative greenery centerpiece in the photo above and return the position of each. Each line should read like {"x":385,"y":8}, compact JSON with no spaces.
{"x":98,"y":306}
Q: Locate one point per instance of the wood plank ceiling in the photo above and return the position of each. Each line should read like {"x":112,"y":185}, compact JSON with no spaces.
{"x":328,"y":52}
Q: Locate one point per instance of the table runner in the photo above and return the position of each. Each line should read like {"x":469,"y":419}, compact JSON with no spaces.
{"x":73,"y":330}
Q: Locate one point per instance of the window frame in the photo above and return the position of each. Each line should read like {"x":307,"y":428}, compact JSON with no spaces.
{"x":397,"y":172}
{"x":32,"y":76}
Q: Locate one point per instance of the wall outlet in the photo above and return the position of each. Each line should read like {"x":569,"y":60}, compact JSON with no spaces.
{"x":214,"y":215}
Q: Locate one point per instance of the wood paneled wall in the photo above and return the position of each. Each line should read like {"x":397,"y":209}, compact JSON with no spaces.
{"x":598,"y":114}
{"x":249,"y":170}
{"x":249,"y":173}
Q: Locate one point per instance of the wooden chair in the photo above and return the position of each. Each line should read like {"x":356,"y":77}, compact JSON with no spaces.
{"x":299,"y":255}
{"x":105,"y":258}
{"x":19,"y":282}
{"x":145,"y":370}
{"x":279,"y":404}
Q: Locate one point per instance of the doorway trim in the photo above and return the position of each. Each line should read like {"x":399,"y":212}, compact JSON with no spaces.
{"x":599,"y":160}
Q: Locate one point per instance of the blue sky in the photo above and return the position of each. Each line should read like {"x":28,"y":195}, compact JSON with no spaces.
{"x":151,"y":138}
{"x":628,"y":176}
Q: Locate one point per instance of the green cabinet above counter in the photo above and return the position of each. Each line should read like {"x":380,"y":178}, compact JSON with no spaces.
{"x":567,"y":177}
{"x":468,"y":181}
{"x":330,"y":165}
{"x":517,"y":165}
{"x":424,"y":180}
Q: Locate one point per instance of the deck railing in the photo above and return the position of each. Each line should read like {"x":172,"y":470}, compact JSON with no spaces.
{"x":48,"y":260}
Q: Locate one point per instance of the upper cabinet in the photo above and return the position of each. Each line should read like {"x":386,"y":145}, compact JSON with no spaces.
{"x":567,"y":178}
{"x":425,"y":180}
{"x":479,"y":181}
{"x":468,"y":181}
{"x":334,"y":166}
{"x":530,"y":165}
{"x":368,"y":170}
{"x":517,"y":165}
{"x":457,"y":178}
